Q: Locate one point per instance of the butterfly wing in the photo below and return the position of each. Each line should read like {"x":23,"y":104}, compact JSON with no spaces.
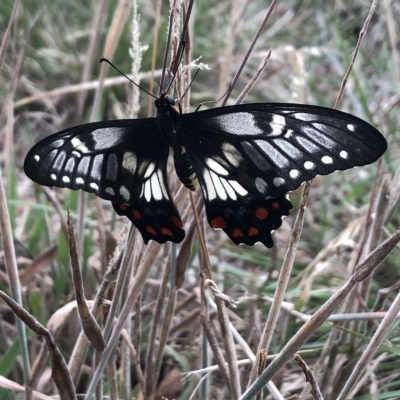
{"x":123,"y":161}
{"x":245,"y":154}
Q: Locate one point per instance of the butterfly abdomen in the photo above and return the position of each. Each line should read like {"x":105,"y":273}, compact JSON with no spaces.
{"x":168,"y":118}
{"x":184,"y":168}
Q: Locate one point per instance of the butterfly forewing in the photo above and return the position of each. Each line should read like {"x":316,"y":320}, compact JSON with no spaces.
{"x":271,"y":149}
{"x":109,"y":159}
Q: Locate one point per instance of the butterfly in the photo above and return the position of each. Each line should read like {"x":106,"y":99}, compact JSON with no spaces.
{"x":246,"y":158}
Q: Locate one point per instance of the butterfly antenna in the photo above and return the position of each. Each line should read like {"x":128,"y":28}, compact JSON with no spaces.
{"x":190,"y":85}
{"x":210,"y":101}
{"x":127,"y":77}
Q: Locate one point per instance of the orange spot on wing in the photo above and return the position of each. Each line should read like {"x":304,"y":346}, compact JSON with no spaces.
{"x":237,"y":233}
{"x":177,"y":221}
{"x":275,"y":205}
{"x":218,"y":222}
{"x":150,"y":229}
{"x":136,"y":214}
{"x":253,"y":231}
{"x":123,"y":207}
{"x":166,"y":231}
{"x":261,"y":213}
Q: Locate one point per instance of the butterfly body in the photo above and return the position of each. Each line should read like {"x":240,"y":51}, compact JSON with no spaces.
{"x":168,"y":121}
{"x":246,"y":159}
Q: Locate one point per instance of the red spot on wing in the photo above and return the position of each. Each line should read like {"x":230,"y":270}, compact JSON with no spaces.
{"x":253,"y":231}
{"x":275,"y":205}
{"x":150,"y":229}
{"x":177,"y":221}
{"x":218,"y":222}
{"x":237,"y":233}
{"x":123,"y":207}
{"x":166,"y":231}
{"x":136,"y":214}
{"x":261,"y":213}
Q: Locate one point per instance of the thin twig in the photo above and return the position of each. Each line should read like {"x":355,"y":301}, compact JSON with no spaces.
{"x":355,"y":53}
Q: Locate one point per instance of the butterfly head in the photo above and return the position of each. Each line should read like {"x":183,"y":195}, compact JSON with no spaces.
{"x":164,"y":103}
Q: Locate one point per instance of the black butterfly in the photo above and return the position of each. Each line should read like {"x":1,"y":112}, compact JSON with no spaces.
{"x":245,"y":157}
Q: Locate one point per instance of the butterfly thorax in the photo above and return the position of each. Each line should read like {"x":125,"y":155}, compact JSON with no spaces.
{"x":168,"y":117}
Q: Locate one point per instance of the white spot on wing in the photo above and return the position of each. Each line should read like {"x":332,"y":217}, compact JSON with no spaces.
{"x":327,"y":160}
{"x":109,"y":190}
{"x":344,"y":154}
{"x":261,"y":185}
{"x":94,"y":186}
{"x":155,"y":188}
{"x":53,"y":176}
{"x":59,"y":160}
{"x":129,"y":162}
{"x":211,"y":193}
{"x":69,"y":167}
{"x":318,"y":140}
{"x":239,"y":188}
{"x":308,"y":145}
{"x":279,"y":119}
{"x":294,"y":173}
{"x":79,"y":181}
{"x":58,"y":143}
{"x":303,"y":116}
{"x":278,"y":124}
{"x":287,"y":148}
{"x":96,"y":167}
{"x":229,"y":189}
{"x":124,"y":192}
{"x":83,"y":166}
{"x":219,"y":169}
{"x":239,"y":123}
{"x":66,"y":179}
{"x":351,"y":127}
{"x":278,"y":181}
{"x":150,"y":170}
{"x":104,"y":138}
{"x":221,"y":193}
{"x":288,"y":134}
{"x":232,"y":154}
{"x":36,"y":157}
{"x":308,"y":165}
{"x":112,"y":167}
{"x":78,"y":145}
{"x":273,"y":154}
{"x":75,"y":153}
{"x":147,"y":190}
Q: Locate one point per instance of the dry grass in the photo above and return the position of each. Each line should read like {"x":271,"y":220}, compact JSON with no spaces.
{"x":186,"y":321}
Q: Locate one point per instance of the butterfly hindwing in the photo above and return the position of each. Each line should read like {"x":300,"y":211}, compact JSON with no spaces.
{"x":123,"y":161}
{"x":248,"y":220}
{"x":155,"y":221}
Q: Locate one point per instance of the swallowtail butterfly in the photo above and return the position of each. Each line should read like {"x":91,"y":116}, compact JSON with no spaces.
{"x":246,"y":159}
